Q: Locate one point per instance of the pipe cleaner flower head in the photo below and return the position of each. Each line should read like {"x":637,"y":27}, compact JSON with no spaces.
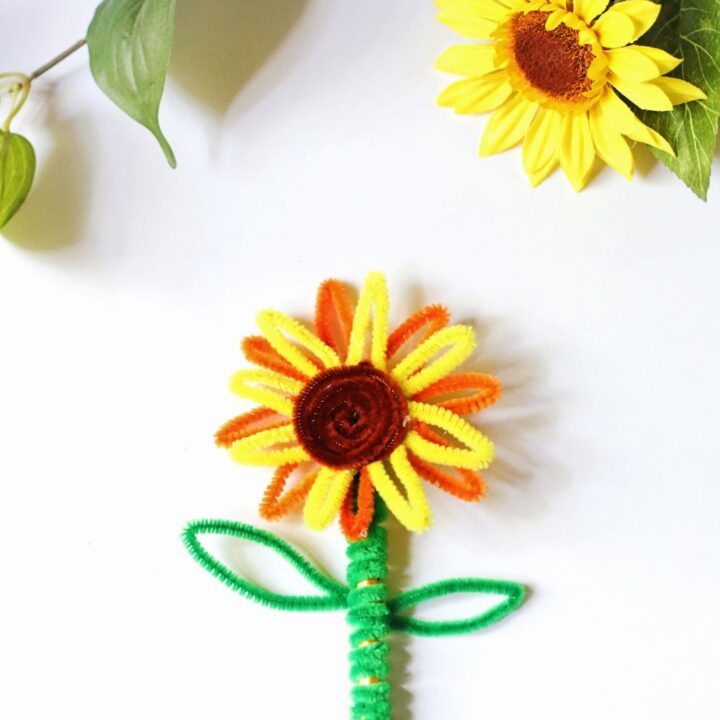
{"x":352,"y":410}
{"x":552,"y":72}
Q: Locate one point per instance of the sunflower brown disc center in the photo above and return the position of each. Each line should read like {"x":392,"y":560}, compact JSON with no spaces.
{"x":553,"y":61}
{"x":349,"y":417}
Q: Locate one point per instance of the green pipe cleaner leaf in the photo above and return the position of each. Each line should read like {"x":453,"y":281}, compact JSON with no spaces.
{"x":514,"y":594}
{"x":334,"y":594}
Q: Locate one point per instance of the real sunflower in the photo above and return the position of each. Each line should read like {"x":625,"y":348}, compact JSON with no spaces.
{"x":349,"y":421}
{"x":552,"y":71}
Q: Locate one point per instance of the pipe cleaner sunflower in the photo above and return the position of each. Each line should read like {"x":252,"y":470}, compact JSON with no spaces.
{"x":552,"y":72}
{"x":351,"y":422}
{"x":352,"y":411}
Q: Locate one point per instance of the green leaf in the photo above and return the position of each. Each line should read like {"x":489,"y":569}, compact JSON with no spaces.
{"x":334,"y":594}
{"x":690,"y":29}
{"x":17,"y":169}
{"x":512,"y":592}
{"x":129,"y":43}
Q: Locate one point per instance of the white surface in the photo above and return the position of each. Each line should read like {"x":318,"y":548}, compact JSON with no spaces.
{"x":126,"y":287}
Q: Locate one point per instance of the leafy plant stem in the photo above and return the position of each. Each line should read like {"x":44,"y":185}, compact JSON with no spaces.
{"x":20,"y":89}
{"x":57,"y":59}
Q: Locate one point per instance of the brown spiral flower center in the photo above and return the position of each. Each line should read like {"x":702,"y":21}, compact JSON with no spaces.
{"x":349,"y":417}
{"x":552,"y":61}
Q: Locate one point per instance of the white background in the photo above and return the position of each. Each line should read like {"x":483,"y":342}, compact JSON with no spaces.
{"x":309,"y":146}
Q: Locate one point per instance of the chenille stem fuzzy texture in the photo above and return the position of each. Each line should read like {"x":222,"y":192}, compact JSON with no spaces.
{"x":334,"y":594}
{"x":370,"y":614}
{"x":355,"y":521}
{"x":346,"y":399}
{"x":369,"y":618}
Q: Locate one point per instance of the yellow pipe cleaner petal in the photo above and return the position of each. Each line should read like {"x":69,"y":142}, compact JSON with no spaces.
{"x":253,"y":450}
{"x":249,"y":384}
{"x":326,"y":497}
{"x":479,"y":449}
{"x":373,"y":299}
{"x":272,"y":324}
{"x":458,"y":340}
{"x":412,"y":510}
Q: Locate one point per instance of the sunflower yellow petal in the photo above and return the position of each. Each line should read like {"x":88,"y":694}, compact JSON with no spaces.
{"x":647,"y":96}
{"x":555,"y":18}
{"x":267,"y":388}
{"x":614,"y":29}
{"x":475,"y":19}
{"x":507,"y":125}
{"x":326,"y":496}
{"x":542,"y":173}
{"x":275,"y":325}
{"x":664,"y":62}
{"x":679,"y":91}
{"x":468,"y":60}
{"x":258,"y":448}
{"x":410,"y":508}
{"x":542,"y":140}
{"x":473,"y":28}
{"x":577,"y":151}
{"x":631,"y":65}
{"x":642,"y":13}
{"x":476,"y":95}
{"x":615,"y":112}
{"x":490,"y":9}
{"x":477,"y":454}
{"x":598,"y":68}
{"x":421,"y":368}
{"x":371,"y":316}
{"x":610,"y":145}
{"x":588,"y":10}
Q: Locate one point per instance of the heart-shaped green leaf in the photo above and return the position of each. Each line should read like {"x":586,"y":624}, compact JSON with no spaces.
{"x":129,"y":43}
{"x":334,"y":594}
{"x":513,"y":594}
{"x":17,"y":169}
{"x":690,"y":29}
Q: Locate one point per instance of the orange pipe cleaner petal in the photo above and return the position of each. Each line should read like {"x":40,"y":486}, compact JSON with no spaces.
{"x":246,"y":424}
{"x":487,"y":387}
{"x":468,"y":485}
{"x":333,"y":309}
{"x":275,"y":504}
{"x":428,"y":433}
{"x":436,"y":317}
{"x":258,"y":350}
{"x":355,"y":524}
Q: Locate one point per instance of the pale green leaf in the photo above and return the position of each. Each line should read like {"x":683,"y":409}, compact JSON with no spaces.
{"x":17,"y":169}
{"x":129,"y":43}
{"x":690,"y":29}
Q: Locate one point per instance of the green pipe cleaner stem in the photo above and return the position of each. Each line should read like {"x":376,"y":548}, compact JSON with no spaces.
{"x":369,"y":617}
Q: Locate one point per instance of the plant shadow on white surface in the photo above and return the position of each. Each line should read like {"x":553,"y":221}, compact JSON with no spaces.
{"x":521,"y":480}
{"x":645,"y":161}
{"x":526,"y":472}
{"x":220,"y":44}
{"x":54,"y":215}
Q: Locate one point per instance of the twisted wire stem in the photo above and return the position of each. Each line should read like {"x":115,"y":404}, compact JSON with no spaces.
{"x":369,"y":618}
